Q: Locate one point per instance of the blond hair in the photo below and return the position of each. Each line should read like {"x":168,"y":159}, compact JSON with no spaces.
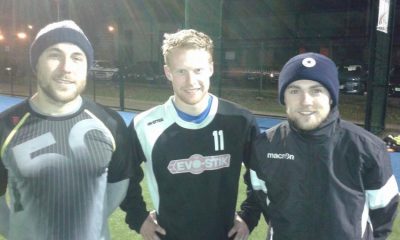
{"x":187,"y":38}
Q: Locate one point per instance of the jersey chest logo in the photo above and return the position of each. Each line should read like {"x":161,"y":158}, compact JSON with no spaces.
{"x":197,"y":164}
{"x":30,"y":165}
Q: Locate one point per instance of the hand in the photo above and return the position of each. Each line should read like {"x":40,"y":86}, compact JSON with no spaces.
{"x":239,"y":229}
{"x":150,"y":227}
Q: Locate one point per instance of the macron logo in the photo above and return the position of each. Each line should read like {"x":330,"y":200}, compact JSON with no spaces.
{"x":286,"y":156}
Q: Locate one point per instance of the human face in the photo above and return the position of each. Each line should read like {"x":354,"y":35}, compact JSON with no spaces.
{"x":307,"y":103}
{"x":189,"y":71}
{"x":61,"y":73}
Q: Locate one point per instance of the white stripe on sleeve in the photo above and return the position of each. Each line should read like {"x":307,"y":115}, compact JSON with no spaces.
{"x":380,"y":198}
{"x":257,"y":183}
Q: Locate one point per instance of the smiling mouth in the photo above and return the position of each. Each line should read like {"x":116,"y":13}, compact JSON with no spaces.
{"x":192,"y":90}
{"x":63,"y":81}
{"x":306,"y":113}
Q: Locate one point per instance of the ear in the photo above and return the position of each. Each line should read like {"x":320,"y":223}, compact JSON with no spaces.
{"x":211,"y":68}
{"x":167,"y":73}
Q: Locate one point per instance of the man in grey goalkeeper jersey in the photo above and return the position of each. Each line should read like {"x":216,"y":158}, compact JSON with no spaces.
{"x":64,"y":159}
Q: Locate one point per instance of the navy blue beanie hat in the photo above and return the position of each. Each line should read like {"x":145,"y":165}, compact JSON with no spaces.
{"x":310,"y":66}
{"x":59,"y":32}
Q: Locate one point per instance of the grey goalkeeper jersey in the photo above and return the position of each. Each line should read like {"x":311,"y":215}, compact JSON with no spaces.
{"x":57,"y":169}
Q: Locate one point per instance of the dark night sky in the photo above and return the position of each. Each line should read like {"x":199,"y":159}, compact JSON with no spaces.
{"x":95,"y":15}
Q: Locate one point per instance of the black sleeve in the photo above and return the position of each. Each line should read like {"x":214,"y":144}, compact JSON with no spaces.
{"x":120,"y":166}
{"x":3,"y":170}
{"x":382,"y":219}
{"x":250,"y":209}
{"x":252,"y":133}
{"x":3,"y":179}
{"x":8,"y":120}
{"x":133,"y":204}
{"x":382,"y":193}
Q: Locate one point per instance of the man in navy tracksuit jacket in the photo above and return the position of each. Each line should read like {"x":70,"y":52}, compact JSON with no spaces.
{"x":318,"y":176}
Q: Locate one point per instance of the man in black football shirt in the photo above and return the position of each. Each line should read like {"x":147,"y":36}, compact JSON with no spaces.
{"x":193,"y":147}
{"x":60,"y":153}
